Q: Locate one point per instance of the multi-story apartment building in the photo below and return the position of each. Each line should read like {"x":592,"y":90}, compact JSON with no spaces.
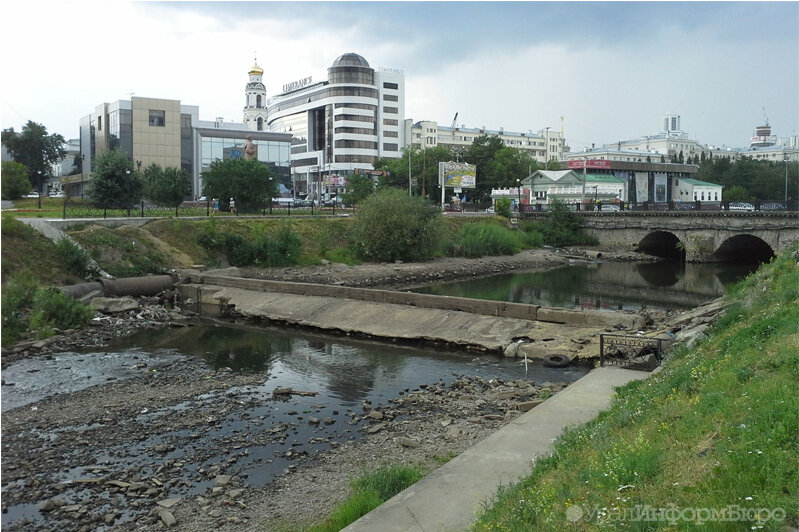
{"x":543,"y":145}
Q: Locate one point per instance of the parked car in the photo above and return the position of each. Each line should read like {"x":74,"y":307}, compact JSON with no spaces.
{"x":741,"y":206}
{"x":451,"y":207}
{"x":32,"y":194}
{"x":490,"y":210}
{"x":609,"y":207}
{"x":283,"y":202}
{"x":59,"y":194}
{"x":303,"y":203}
{"x":773,"y":207}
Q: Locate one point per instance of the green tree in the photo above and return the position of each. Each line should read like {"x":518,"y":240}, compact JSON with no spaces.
{"x":393,"y":226}
{"x":481,"y":153}
{"x":359,"y":186}
{"x":508,"y":165}
{"x":34,"y":148}
{"x":15,"y":180}
{"x":251,"y":183}
{"x":736,"y":193}
{"x":424,"y":170}
{"x":168,"y":186}
{"x":114,"y":184}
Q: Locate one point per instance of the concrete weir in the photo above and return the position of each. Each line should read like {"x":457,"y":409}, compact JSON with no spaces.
{"x":470,"y":323}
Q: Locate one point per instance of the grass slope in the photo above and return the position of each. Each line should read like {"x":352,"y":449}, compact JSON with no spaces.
{"x":715,"y":431}
{"x":26,"y":251}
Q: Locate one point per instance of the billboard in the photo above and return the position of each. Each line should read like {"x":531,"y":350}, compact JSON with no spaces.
{"x":335,"y":180}
{"x":592,"y":163}
{"x":453,"y":174}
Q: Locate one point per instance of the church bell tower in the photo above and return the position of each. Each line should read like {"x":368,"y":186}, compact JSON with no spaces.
{"x":255,"y":100}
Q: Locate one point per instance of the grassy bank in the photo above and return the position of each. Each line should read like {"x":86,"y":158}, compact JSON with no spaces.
{"x":712,"y":437}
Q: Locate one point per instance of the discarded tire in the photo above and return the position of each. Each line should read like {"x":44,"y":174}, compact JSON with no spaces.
{"x":556,"y":361}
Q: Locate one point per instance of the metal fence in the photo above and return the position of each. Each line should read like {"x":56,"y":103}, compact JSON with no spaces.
{"x":74,"y":208}
{"x":631,"y":352}
{"x":679,"y":206}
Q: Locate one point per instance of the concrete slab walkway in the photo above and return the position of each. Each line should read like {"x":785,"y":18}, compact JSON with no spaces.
{"x":451,"y":498}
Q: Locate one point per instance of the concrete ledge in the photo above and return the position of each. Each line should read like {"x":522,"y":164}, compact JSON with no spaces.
{"x":451,"y":498}
{"x":475,"y":306}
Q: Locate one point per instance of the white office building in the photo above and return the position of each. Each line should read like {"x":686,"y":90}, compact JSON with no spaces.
{"x":543,"y":145}
{"x":338,"y":125}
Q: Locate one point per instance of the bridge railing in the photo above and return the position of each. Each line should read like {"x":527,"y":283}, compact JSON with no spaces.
{"x":666,"y":206}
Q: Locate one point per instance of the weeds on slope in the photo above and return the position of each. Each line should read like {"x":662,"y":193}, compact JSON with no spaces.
{"x":710,"y":440}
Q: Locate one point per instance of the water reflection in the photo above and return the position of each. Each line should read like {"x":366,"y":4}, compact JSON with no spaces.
{"x":666,"y":285}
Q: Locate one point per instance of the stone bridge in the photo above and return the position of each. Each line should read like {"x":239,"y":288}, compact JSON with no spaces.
{"x":703,"y":236}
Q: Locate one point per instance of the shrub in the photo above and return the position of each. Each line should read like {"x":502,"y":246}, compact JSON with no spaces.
{"x":27,"y":307}
{"x":75,"y":259}
{"x":503,"y":207}
{"x":15,"y":180}
{"x":52,"y":308}
{"x":284,"y":249}
{"x":562,"y":227}
{"x":482,"y":238}
{"x":393,"y":226}
{"x":17,"y":298}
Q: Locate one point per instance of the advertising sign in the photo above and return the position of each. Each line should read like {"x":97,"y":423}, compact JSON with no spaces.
{"x":335,"y":180}
{"x":592,"y":163}
{"x":660,"y":187}
{"x":641,"y":186}
{"x":452,"y":174}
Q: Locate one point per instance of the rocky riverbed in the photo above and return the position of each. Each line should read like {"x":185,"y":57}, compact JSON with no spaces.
{"x":133,"y":453}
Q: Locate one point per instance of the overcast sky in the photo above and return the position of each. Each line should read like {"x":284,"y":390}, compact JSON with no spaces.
{"x":610,"y":69}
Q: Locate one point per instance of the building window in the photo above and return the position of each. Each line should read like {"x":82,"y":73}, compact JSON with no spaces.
{"x":390,"y":98}
{"x":260,"y":123}
{"x":362,"y":144}
{"x":258,"y":101}
{"x":387,"y":85}
{"x":390,"y":122}
{"x":99,"y":123}
{"x":390,"y":110}
{"x":394,"y":134}
{"x":390,"y":147}
{"x":157,"y":118}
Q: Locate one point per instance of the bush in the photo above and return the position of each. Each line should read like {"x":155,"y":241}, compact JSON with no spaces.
{"x":482,"y":238}
{"x":393,"y":226}
{"x":17,"y":298}
{"x":284,"y":249}
{"x":29,"y":308}
{"x":15,"y":180}
{"x":52,"y":309}
{"x":503,"y":207}
{"x":75,"y":259}
{"x":562,"y":227}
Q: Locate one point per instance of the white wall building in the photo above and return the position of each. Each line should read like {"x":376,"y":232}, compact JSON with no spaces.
{"x":341,"y":124}
{"x":687,"y":189}
{"x":543,"y":145}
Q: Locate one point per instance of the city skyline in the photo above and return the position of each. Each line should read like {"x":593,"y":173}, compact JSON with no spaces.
{"x":611,"y":70}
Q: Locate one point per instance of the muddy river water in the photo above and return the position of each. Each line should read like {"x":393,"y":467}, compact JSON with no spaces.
{"x":261,"y":435}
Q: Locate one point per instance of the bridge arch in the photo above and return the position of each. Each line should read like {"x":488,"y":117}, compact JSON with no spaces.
{"x":662,"y":244}
{"x":744,"y":248}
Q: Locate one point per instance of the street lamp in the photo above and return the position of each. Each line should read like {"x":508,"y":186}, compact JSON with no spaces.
{"x":519,"y":192}
{"x":40,"y":188}
{"x":786,"y":180}
{"x":82,"y":157}
{"x":546,"y":162}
